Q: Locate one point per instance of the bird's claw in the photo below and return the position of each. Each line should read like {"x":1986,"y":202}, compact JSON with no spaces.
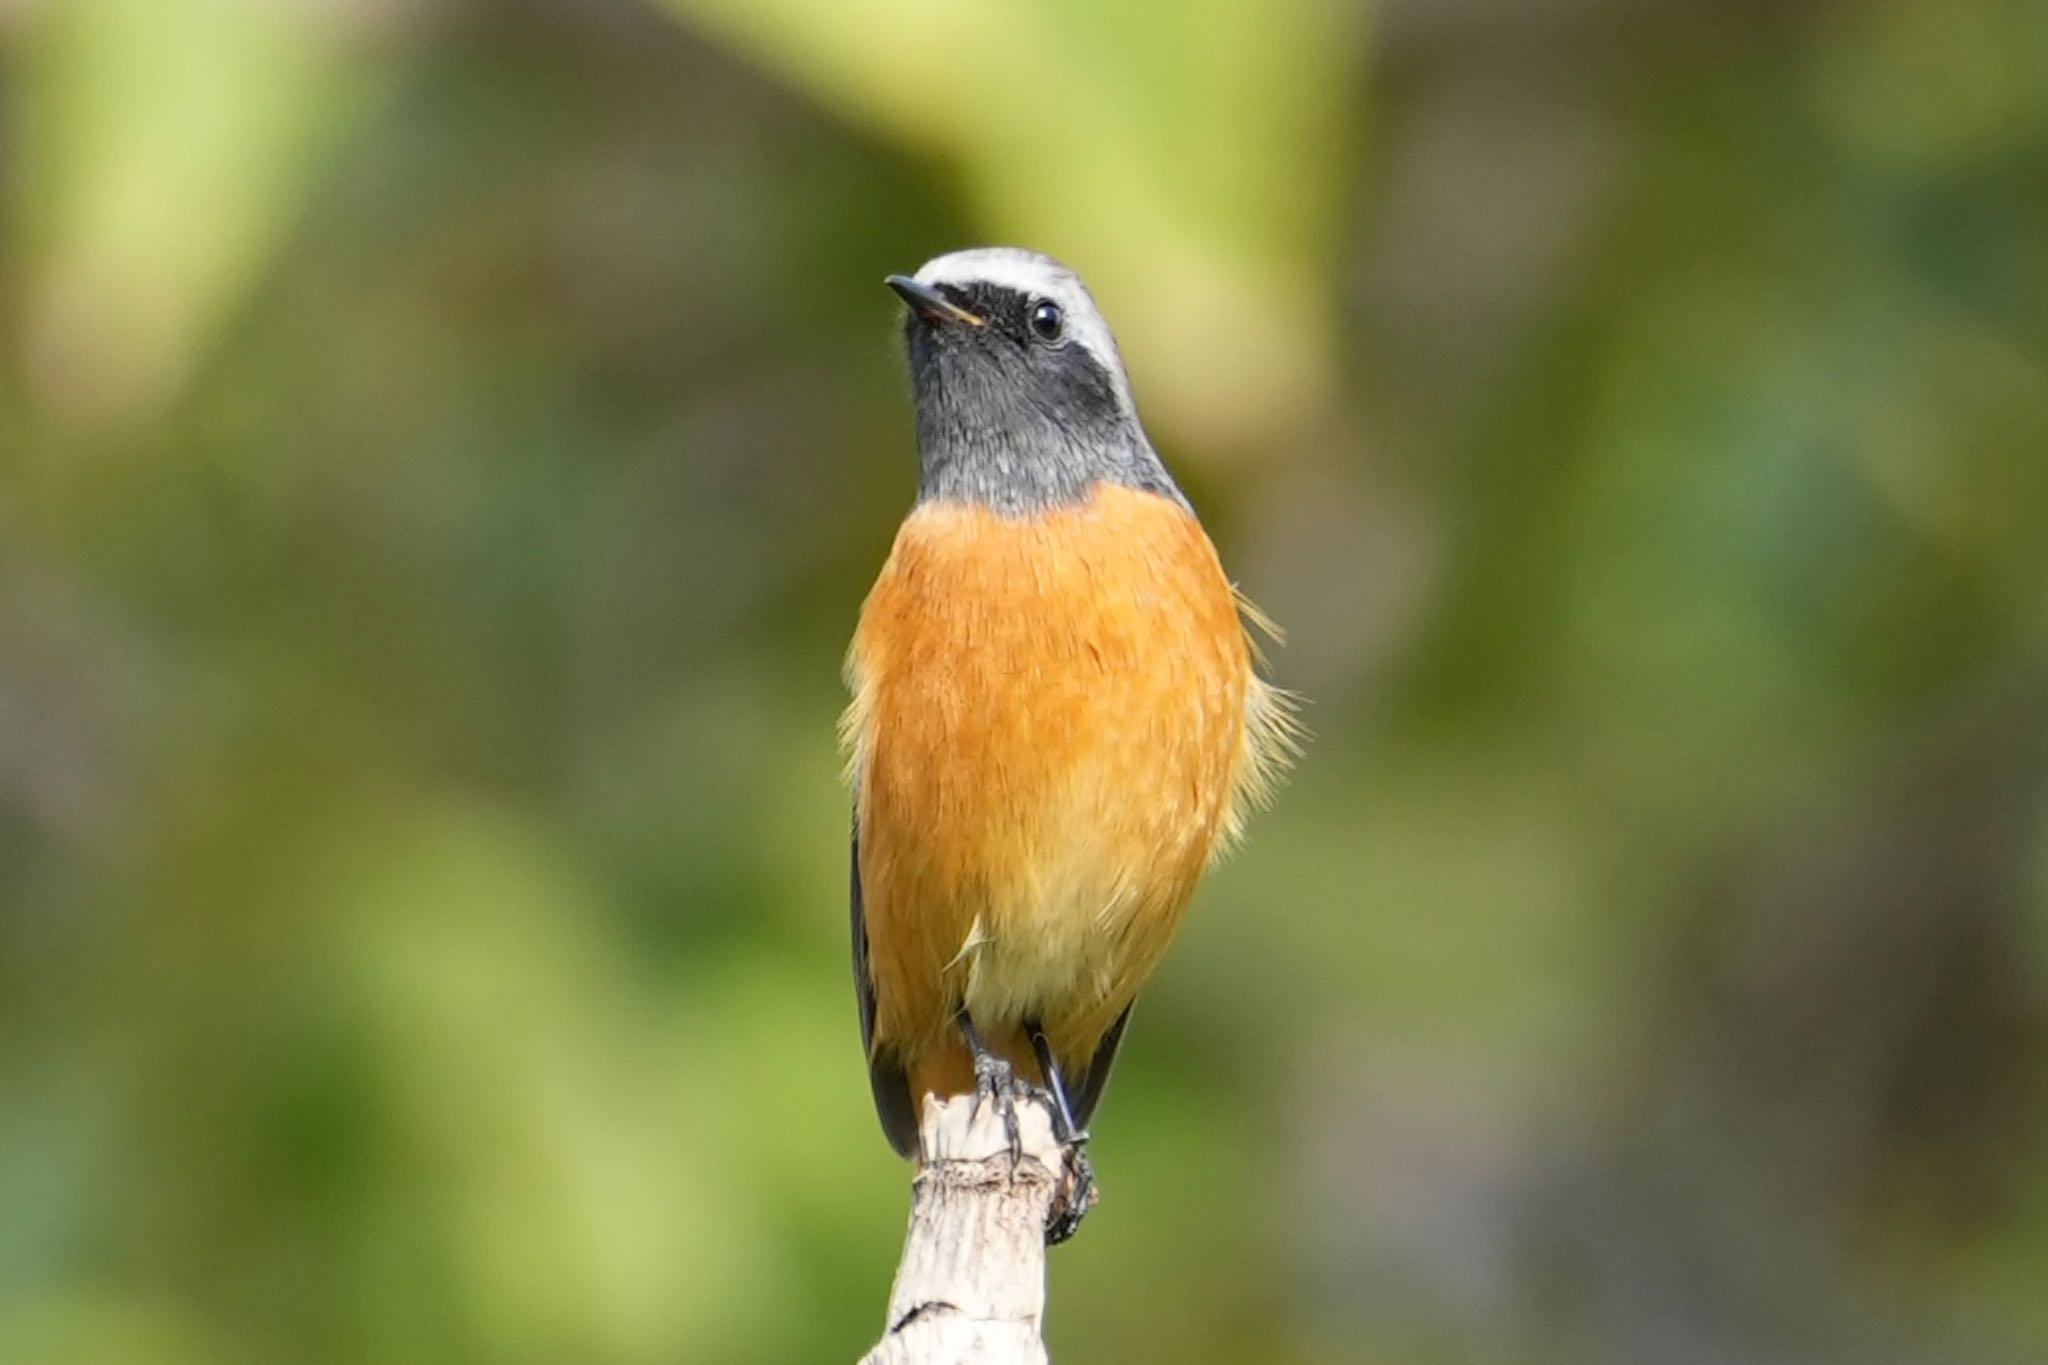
{"x":995,"y":1082}
{"x":1074,"y":1195}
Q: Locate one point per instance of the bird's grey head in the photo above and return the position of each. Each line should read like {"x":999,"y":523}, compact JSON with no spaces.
{"x":1022,"y":399}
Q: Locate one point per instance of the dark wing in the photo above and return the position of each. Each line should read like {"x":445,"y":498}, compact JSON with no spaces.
{"x":891,"y":1086}
{"x":1089,"y":1093}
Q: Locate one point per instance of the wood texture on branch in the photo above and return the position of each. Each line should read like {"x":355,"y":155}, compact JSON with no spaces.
{"x":970,"y":1289}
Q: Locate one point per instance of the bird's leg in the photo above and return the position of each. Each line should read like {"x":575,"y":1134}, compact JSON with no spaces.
{"x":1077,"y":1184}
{"x":995,"y":1081}
{"x":1069,"y":1132}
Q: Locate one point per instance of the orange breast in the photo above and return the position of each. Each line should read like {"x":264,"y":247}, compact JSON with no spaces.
{"x":1049,"y":733}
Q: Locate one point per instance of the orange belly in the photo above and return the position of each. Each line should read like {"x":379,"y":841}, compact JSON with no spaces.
{"x":1049,"y":735}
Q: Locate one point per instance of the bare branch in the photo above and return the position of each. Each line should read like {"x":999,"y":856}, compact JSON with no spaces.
{"x":970,"y":1289}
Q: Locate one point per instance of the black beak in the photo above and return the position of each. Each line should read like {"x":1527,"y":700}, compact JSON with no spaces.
{"x":929,"y":304}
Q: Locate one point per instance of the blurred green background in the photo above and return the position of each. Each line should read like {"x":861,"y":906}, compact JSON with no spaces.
{"x":443,"y":446}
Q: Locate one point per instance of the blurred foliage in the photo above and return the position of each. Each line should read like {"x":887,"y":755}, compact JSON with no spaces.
{"x":443,"y":445}
{"x":1166,"y":144}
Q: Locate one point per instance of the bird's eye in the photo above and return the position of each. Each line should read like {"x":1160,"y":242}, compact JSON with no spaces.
{"x":1047,"y":320}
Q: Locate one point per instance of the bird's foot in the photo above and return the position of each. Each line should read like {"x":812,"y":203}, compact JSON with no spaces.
{"x":996,"y":1082}
{"x":1074,"y":1195}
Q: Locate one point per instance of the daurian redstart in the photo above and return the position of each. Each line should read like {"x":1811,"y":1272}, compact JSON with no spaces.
{"x":1056,"y":723}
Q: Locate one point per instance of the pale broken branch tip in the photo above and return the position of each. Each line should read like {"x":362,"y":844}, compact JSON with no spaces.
{"x":970,"y":1289}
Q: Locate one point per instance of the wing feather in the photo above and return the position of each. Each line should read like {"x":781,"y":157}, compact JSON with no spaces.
{"x":888,"y":1081}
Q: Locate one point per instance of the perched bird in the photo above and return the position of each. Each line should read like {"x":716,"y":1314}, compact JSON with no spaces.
{"x":1056,"y":720}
